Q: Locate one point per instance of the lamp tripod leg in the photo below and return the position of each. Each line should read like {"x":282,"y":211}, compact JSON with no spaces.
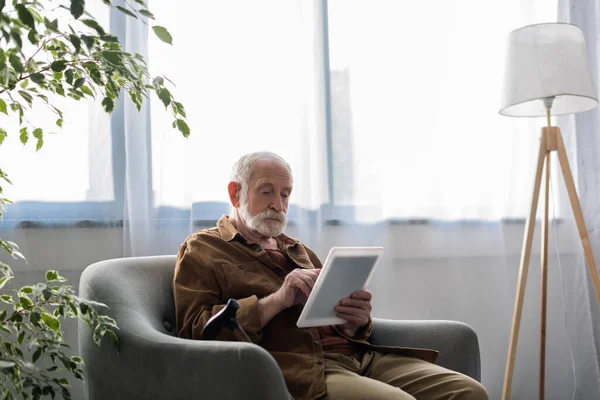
{"x":523,"y":270}
{"x":544,"y":279}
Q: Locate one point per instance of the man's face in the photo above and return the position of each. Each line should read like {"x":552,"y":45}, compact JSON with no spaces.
{"x":264,"y":207}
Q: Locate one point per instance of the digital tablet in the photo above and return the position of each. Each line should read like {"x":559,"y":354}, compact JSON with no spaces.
{"x":346,"y":270}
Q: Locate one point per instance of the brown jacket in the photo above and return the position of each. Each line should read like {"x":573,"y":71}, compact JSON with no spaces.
{"x":217,"y":264}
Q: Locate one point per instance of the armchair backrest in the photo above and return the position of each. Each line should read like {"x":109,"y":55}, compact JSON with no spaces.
{"x":142,"y":283}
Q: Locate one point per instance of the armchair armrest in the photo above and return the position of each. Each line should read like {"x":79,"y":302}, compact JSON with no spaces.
{"x":456,"y":341}
{"x":158,"y":366}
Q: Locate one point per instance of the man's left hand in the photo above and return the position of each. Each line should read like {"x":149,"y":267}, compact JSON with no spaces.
{"x":356,"y":310}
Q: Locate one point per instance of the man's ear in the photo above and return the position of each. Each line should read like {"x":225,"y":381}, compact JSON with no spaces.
{"x":234,"y":193}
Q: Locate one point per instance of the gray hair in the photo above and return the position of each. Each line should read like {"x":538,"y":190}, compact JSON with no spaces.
{"x":243,"y":168}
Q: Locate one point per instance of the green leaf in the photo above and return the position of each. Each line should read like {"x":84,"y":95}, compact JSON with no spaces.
{"x":52,"y":26}
{"x":59,"y":65}
{"x":163,"y":34}
{"x":108,"y":104}
{"x":36,"y":355}
{"x":113,"y":57}
{"x":21,"y":337}
{"x":77,"y":8}
{"x":24,"y":84}
{"x":38,"y":78}
{"x":113,"y":337}
{"x":3,"y":135}
{"x":3,"y":107}
{"x":26,"y":289}
{"x":25,"y":301}
{"x":37,"y":133}
{"x":99,"y":333}
{"x":33,"y":37}
{"x":126,"y":11}
{"x":183,"y":127}
{"x":109,"y":38}
{"x":78,"y":83}
{"x":2,"y":59}
{"x":24,"y":137}
{"x":51,"y":276}
{"x":89,"y":41}
{"x":179,"y":108}
{"x":69,"y":76}
{"x":52,"y":322}
{"x":77,"y":360}
{"x":85,"y":89}
{"x":2,"y":4}
{"x":47,"y":293}
{"x":94,"y":25}
{"x":62,"y":382}
{"x":2,"y":315}
{"x":165,"y":96}
{"x":141,"y":2}
{"x":146,"y":13}
{"x":16,"y":37}
{"x":26,"y":96}
{"x":35,"y":318}
{"x":76,"y":41}
{"x":59,"y":123}
{"x":16,"y":63}
{"x":6,"y":298}
{"x":25,"y":16}
{"x":3,"y":281}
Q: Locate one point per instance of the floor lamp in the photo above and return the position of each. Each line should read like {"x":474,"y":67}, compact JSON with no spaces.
{"x":546,"y":74}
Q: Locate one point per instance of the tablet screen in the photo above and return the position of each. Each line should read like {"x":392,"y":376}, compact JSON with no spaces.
{"x":344,"y":273}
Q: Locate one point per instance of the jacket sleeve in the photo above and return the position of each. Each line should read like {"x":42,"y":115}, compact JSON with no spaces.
{"x":197,"y":296}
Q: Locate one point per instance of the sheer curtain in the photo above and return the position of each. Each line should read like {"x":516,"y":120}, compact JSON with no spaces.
{"x":583,"y":141}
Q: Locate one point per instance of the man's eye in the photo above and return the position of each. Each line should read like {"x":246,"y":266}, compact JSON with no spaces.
{"x":265,"y":193}
{"x":285,"y":195}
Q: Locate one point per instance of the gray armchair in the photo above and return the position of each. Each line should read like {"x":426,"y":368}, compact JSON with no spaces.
{"x":153,"y":363}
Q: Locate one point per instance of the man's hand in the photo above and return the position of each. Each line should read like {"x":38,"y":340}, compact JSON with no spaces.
{"x":296,"y":287}
{"x":295,"y":290}
{"x":356,"y":310}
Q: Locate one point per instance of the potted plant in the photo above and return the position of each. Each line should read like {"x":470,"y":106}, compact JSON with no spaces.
{"x":42,"y":57}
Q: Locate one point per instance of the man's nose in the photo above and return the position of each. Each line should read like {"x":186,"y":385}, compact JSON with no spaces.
{"x":277,"y":203}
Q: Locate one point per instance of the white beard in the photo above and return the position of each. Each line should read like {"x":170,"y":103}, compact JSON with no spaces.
{"x":269,"y":223}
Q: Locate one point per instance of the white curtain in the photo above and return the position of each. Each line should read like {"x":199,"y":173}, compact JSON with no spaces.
{"x":583,"y":141}
{"x":392,"y":130}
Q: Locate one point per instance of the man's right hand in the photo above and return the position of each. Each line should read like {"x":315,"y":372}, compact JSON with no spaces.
{"x":296,"y":287}
{"x":295,"y":290}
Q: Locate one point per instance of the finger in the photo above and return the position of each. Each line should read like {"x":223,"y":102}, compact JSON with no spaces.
{"x":351,"y":320}
{"x":362,"y":304}
{"x":357,"y":312}
{"x":307,"y":278}
{"x":361,"y":295}
{"x":306,"y":272}
{"x":301,"y":285}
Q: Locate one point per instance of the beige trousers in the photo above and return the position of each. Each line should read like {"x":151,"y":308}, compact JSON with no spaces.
{"x":377,"y":375}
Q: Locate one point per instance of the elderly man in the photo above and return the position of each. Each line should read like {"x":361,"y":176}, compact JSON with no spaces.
{"x":247,"y":257}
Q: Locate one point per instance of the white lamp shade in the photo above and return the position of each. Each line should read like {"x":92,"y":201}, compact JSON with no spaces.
{"x":547,"y":60}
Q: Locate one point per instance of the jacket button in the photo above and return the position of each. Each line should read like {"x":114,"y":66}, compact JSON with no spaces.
{"x":316,"y":342}
{"x":240,"y":266}
{"x":319,"y":362}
